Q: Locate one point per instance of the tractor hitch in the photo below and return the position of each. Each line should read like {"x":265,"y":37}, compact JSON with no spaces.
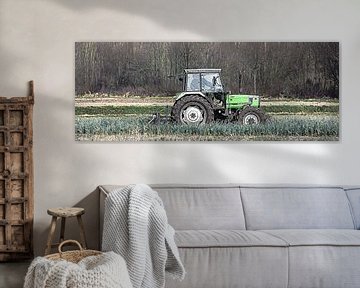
{"x":160,"y":119}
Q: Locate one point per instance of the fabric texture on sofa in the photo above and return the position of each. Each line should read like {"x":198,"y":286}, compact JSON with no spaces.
{"x":296,"y":208}
{"x":221,"y":238}
{"x":206,"y":207}
{"x":354,"y":198}
{"x":314,"y":237}
{"x":258,"y":236}
{"x":324,"y":266}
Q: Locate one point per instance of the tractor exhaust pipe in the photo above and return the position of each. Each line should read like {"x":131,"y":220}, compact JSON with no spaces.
{"x":240,"y":82}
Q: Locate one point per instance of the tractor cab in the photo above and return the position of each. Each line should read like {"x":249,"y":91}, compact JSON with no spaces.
{"x":203,"y":80}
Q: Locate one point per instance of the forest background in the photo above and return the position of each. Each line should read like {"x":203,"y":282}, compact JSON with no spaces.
{"x":271,"y":69}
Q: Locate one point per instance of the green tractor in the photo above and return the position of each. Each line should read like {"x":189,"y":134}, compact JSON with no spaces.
{"x":204,"y":100}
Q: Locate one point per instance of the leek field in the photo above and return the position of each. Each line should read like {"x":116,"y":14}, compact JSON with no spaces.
{"x":126,"y":119}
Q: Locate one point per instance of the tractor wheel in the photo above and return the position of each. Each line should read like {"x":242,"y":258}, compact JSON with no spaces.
{"x":192,"y":109}
{"x":252,"y":115}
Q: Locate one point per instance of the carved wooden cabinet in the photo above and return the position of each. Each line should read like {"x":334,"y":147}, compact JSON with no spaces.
{"x":16,"y":177}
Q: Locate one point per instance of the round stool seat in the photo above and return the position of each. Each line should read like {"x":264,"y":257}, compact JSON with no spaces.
{"x":66,"y":211}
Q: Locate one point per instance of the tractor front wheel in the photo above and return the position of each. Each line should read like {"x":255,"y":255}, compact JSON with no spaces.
{"x":192,"y":109}
{"x":252,"y":115}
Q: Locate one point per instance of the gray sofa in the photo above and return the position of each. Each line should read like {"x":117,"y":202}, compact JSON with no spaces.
{"x":263,"y":236}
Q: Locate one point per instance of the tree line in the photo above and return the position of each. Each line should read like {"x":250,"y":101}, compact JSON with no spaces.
{"x":273,"y":69}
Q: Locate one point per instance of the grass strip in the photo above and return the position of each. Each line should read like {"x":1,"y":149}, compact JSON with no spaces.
{"x":138,"y":110}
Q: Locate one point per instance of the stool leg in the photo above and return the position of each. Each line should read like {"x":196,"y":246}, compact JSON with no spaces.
{"x":62,"y":230}
{"x":51,"y":235}
{"x":82,"y":232}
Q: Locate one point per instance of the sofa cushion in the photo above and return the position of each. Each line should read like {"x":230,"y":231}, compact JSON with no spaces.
{"x":317,"y":237}
{"x":201,"y":207}
{"x":226,"y":238}
{"x":324,"y":266}
{"x":296,"y":208}
{"x":220,"y":267}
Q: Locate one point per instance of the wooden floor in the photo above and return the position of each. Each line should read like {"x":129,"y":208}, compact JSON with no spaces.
{"x":12,"y":274}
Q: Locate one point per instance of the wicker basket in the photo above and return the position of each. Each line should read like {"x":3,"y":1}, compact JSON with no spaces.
{"x":72,"y":256}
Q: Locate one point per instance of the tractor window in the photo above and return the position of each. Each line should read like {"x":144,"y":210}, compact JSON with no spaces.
{"x":193,"y":82}
{"x":210,"y":82}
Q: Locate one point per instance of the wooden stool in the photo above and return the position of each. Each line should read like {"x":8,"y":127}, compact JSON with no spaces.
{"x":64,"y":213}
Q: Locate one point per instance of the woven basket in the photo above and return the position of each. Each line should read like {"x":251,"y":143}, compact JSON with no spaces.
{"x":72,"y":256}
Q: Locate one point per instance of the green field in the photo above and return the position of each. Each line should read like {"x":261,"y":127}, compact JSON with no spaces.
{"x":123,"y":120}
{"x":151,"y":109}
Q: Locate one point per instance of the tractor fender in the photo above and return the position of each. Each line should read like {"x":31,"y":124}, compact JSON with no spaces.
{"x":182,"y":94}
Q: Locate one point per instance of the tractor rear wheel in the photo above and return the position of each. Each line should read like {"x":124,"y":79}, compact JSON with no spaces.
{"x":192,"y":109}
{"x":252,"y":115}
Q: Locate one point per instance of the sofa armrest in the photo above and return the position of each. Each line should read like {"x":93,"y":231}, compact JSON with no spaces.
{"x":103,"y":195}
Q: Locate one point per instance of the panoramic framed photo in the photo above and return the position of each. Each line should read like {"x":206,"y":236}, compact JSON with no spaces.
{"x":206,"y":91}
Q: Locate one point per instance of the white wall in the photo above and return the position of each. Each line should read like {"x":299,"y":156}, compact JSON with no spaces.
{"x":37,"y":42}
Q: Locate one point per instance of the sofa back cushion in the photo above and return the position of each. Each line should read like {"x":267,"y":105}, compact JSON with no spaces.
{"x":354,"y":198}
{"x":197,"y":207}
{"x":296,"y":208}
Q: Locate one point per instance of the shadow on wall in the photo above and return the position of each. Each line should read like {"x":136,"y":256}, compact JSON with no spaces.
{"x":160,"y":11}
{"x":91,"y":222}
{"x":238,"y":162}
{"x":54,"y":161}
{"x":91,"y":217}
{"x":229,"y":19}
{"x":7,"y":88}
{"x":191,"y":16}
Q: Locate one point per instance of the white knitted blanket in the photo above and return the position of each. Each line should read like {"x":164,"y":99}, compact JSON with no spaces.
{"x":104,"y":271}
{"x":136,"y":227}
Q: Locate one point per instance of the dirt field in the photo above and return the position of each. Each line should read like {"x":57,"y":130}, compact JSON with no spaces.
{"x":161,"y":101}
